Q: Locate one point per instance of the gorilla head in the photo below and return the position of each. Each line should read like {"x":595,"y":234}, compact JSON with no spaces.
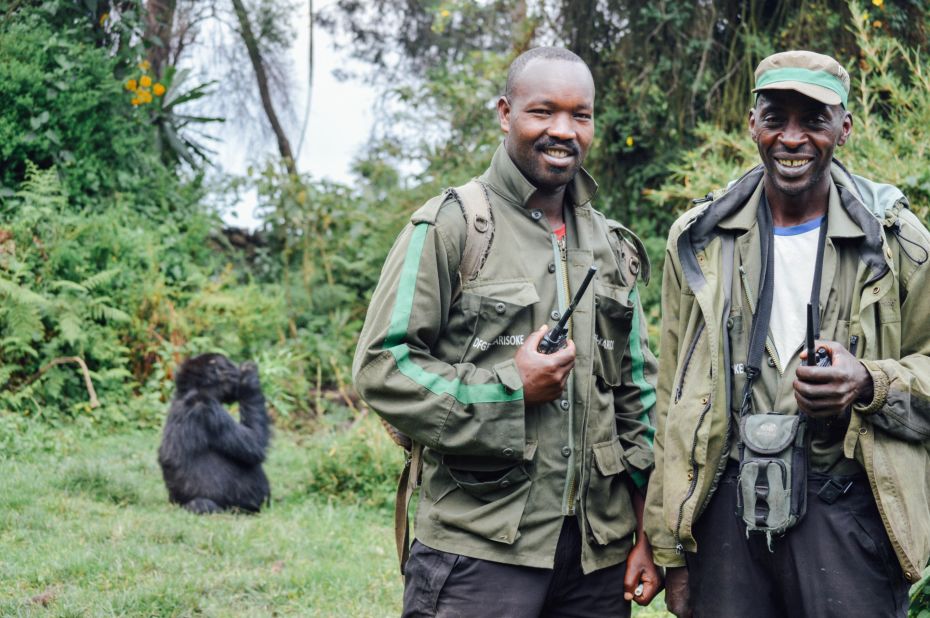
{"x":212,"y":374}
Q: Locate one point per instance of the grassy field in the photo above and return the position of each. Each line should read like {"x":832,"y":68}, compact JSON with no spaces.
{"x":86,"y":530}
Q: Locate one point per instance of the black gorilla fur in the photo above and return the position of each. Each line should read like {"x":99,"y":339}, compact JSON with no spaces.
{"x":209,"y":461}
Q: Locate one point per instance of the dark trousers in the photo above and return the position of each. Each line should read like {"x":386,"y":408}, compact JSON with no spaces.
{"x":837,"y":561}
{"x":449,"y":585}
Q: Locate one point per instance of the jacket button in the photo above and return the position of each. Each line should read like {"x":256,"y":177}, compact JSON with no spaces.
{"x":863,"y":431}
{"x":499,"y":307}
{"x":771,"y":362}
{"x":566,"y":452}
{"x":551,"y":267}
{"x":907,"y":574}
{"x":876,"y":290}
{"x":536,"y":214}
{"x":729,"y":322}
{"x":564,"y":404}
{"x":505,"y":484}
{"x":628,"y":315}
{"x":508,"y":452}
{"x":690,"y":475}
{"x":555,"y":315}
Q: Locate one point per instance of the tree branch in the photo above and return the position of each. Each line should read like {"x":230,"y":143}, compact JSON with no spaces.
{"x":261,"y":76}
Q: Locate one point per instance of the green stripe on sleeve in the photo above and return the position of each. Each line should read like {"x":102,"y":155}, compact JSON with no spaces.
{"x":639,"y":478}
{"x":397,"y":332}
{"x":403,"y":303}
{"x":647,"y":393}
{"x":465,"y":393}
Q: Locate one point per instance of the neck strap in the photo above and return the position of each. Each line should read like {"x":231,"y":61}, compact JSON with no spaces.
{"x":763,"y":313}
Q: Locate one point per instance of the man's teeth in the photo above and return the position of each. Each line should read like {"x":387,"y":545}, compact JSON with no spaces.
{"x":792,"y":162}
{"x":558,"y":154}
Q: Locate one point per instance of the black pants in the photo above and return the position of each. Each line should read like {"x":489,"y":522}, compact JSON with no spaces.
{"x":837,"y":561}
{"x":449,"y":585}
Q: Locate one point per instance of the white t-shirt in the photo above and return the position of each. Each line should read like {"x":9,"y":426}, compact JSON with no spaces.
{"x":795,"y":253}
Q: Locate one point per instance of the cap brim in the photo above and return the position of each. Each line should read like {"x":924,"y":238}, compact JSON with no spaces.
{"x":818,"y":93}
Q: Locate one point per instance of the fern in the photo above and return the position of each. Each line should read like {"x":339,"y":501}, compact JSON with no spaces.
{"x":70,"y":327}
{"x":100,"y":310}
{"x":100,"y":279}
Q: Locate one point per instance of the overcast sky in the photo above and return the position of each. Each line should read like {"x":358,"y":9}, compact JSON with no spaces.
{"x":340,"y":118}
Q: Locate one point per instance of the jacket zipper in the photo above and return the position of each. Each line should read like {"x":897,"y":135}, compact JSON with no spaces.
{"x":679,"y":548}
{"x":752,"y":309}
{"x":684,"y":370}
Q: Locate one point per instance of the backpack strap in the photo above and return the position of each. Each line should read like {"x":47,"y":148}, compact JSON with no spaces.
{"x":479,"y":226}
{"x":408,"y":482}
{"x":479,"y":232}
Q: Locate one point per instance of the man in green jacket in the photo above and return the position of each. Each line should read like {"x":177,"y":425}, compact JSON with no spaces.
{"x":797,"y":229}
{"x":533,"y":464}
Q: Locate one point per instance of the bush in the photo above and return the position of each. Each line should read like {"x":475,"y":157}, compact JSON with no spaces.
{"x":920,"y":597}
{"x":357,"y":465}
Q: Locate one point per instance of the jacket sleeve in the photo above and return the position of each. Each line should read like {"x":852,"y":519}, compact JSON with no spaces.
{"x":660,"y":536}
{"x":451,"y":408}
{"x":901,"y":401}
{"x":635,"y":398}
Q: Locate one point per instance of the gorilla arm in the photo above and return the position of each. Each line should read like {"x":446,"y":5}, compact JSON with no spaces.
{"x":244,"y":442}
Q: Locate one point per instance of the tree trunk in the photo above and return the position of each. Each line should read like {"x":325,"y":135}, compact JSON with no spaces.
{"x":159,"y":22}
{"x":248,"y":37}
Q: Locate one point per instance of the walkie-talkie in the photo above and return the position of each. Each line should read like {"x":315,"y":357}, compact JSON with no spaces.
{"x":820,"y":358}
{"x":557,"y":337}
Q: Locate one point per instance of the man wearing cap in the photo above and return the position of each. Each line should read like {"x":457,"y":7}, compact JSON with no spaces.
{"x":783,"y":489}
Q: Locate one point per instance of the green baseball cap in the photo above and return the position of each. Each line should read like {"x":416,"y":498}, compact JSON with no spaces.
{"x":814,"y":75}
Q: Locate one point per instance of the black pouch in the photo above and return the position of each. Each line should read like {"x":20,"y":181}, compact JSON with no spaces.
{"x":772,"y":487}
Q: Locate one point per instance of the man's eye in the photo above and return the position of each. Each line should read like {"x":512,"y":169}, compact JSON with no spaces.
{"x":583,"y":116}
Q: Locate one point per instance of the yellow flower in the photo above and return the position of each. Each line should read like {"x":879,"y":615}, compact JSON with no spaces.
{"x":877,"y":23}
{"x":158,"y":89}
{"x":131,"y":85}
{"x":878,"y":3}
{"x":145,"y":65}
{"x":444,"y":13}
{"x":135,"y":101}
{"x":145,"y":81}
{"x":145,"y":96}
{"x":629,"y":141}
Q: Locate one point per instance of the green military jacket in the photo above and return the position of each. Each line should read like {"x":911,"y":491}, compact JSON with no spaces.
{"x":875,"y":272}
{"x":436,"y":359}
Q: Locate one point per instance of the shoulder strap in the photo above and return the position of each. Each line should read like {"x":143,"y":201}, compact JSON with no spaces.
{"x":406,"y":485}
{"x":479,"y":226}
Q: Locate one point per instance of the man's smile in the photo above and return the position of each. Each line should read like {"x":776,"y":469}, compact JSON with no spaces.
{"x":557,"y":155}
{"x":793,"y":165}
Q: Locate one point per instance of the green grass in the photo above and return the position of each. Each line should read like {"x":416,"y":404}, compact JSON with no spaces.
{"x":86,"y":530}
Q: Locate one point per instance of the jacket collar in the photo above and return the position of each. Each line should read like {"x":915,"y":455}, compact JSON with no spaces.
{"x":839,"y":222}
{"x":848,"y":217}
{"x":505,"y":178}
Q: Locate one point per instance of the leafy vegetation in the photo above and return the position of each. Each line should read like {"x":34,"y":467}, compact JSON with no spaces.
{"x":114,"y":258}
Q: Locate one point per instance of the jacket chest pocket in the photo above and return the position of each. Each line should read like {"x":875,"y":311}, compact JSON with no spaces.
{"x":613,"y":318}
{"x":500,"y":315}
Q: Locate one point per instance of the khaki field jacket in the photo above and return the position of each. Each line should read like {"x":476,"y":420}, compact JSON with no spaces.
{"x":889,"y":316}
{"x":435,"y":359}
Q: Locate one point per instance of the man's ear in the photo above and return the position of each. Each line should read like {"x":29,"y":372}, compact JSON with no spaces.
{"x":846,"y":130}
{"x":752,"y":124}
{"x":503,"y":113}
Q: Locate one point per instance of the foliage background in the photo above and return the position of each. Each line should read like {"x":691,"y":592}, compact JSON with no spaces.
{"x":112,"y":248}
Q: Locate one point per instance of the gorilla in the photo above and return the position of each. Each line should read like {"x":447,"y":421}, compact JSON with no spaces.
{"x":209,"y":461}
